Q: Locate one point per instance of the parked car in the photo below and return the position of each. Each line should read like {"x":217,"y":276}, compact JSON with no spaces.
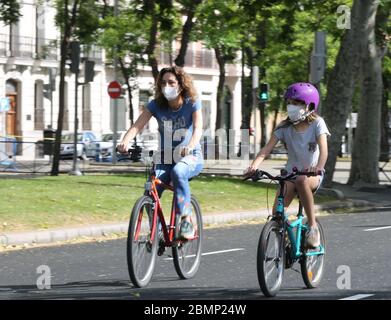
{"x":145,"y":142}
{"x":106,"y":145}
{"x":87,"y":145}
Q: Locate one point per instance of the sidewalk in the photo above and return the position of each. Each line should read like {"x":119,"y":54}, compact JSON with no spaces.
{"x":360,"y":197}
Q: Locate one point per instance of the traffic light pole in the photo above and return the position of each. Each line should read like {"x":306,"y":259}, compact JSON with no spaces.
{"x":255,"y":81}
{"x":88,"y":77}
{"x":115,"y":102}
{"x":75,"y":170}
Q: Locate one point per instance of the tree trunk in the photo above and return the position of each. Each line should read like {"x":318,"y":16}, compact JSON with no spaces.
{"x":125,"y":74}
{"x":68,"y":26}
{"x":246,"y":97}
{"x":57,"y":143}
{"x":366,"y":147}
{"x":186,"y":31}
{"x":385,"y":120}
{"x":261,"y":39}
{"x":150,"y":50}
{"x":275,"y":118}
{"x":220,"y":88}
{"x":383,"y":15}
{"x":262,"y":107}
{"x":337,"y":105}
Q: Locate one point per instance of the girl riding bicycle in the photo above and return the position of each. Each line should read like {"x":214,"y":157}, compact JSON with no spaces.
{"x":304,"y":134}
{"x":179,"y":115}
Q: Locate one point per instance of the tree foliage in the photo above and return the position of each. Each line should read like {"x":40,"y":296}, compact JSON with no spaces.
{"x":9,"y":11}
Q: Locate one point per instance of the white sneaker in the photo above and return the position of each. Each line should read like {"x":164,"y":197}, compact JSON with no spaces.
{"x":312,"y":237}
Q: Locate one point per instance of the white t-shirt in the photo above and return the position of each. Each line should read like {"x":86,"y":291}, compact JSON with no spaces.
{"x":303,"y":149}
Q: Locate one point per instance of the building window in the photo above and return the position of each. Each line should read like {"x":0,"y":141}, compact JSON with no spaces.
{"x":39,"y":31}
{"x":206,"y":111}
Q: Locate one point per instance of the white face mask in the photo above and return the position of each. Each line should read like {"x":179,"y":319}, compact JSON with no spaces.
{"x":171,"y":93}
{"x":296,"y":113}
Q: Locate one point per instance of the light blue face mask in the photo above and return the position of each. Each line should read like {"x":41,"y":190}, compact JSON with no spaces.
{"x":296,"y":113}
{"x":171,"y":93}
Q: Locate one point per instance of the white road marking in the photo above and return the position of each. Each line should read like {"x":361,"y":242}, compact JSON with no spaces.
{"x":357,"y":297}
{"x":380,"y":228}
{"x":213,"y":252}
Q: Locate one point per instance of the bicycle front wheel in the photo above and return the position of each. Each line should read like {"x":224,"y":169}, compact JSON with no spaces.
{"x":312,"y":262}
{"x":141,"y":250}
{"x":270,"y":259}
{"x":187,"y":254}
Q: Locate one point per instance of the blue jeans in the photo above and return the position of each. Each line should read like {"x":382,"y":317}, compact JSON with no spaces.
{"x":179,"y":174}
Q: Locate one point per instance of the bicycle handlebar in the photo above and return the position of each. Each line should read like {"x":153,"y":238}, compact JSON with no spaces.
{"x":284,"y":176}
{"x":129,"y":151}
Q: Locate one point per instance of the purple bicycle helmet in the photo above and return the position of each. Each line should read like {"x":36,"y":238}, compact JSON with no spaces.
{"x":305,"y":92}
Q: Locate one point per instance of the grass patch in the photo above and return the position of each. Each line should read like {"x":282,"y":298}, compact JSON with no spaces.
{"x":48,"y":202}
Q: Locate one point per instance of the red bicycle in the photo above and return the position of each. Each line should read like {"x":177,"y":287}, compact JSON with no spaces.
{"x":145,"y":241}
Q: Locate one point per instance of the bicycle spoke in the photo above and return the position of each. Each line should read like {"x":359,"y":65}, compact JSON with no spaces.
{"x":141,"y":251}
{"x":270,"y":264}
{"x":187,"y":254}
{"x":312,"y":264}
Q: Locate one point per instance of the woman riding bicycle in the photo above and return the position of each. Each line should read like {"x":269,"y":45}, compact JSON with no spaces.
{"x":304,"y":134}
{"x":179,"y":116}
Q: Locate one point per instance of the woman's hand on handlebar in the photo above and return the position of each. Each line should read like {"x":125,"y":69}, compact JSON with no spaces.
{"x":250,"y":171}
{"x":122,"y":147}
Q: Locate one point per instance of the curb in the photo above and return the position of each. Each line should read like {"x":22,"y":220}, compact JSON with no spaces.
{"x":52,"y":236}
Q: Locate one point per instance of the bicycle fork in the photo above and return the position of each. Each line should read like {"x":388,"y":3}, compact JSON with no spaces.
{"x":281,"y":250}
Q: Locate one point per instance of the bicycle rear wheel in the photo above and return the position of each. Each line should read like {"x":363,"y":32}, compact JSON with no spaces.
{"x":312,"y":264}
{"x":187,"y":254}
{"x":270,"y":261}
{"x":141,"y":251}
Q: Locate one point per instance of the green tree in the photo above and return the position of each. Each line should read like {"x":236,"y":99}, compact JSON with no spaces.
{"x":340,"y":86}
{"x":189,"y":7}
{"x":9,"y":11}
{"x":126,"y":36}
{"x":219,"y":28}
{"x":383,"y":33}
{"x":77,"y":20}
{"x":163,"y":20}
{"x":366,"y":149}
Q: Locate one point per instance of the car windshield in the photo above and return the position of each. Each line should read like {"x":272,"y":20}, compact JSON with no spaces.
{"x":69,"y":137}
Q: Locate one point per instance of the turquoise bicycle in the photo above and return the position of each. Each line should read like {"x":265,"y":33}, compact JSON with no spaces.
{"x":282,"y":243}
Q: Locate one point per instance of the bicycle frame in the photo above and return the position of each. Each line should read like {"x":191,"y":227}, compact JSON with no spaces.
{"x":290,"y":226}
{"x":168,"y":234}
{"x":150,"y":186}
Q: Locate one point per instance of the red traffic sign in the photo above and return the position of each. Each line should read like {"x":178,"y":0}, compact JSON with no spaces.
{"x":114,"y":89}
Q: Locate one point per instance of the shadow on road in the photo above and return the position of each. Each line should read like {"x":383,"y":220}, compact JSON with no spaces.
{"x":119,"y":289}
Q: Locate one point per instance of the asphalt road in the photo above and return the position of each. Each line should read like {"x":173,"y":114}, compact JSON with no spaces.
{"x":358,"y":266}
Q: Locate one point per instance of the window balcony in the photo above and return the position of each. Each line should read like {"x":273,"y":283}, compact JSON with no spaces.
{"x":39,"y":48}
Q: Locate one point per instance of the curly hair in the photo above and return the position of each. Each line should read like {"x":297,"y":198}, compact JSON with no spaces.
{"x":185,"y":82}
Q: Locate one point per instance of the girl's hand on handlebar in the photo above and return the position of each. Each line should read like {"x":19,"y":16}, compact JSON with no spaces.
{"x":315,"y":170}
